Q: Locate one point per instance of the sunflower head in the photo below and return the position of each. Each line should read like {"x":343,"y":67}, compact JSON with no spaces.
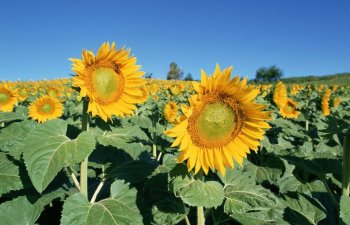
{"x":8,"y":98}
{"x":336,"y":102}
{"x":221,"y":124}
{"x":23,"y":93}
{"x":289,"y":110}
{"x":325,"y":103}
{"x":110,"y":80}
{"x":170,"y":111}
{"x":45,"y":108}
{"x":280,"y":95}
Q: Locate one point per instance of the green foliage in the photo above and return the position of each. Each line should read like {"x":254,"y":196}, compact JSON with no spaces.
{"x":338,"y":78}
{"x":345,"y":209}
{"x":119,"y":209}
{"x":48,"y":150}
{"x":195,"y":192}
{"x":9,"y":175}
{"x":17,"y":212}
{"x":188,"y":77}
{"x":175,"y":73}
{"x":270,"y":74}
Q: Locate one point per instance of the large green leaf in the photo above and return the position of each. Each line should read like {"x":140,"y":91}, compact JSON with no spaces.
{"x":196,"y":192}
{"x":132,"y":171}
{"x":301,"y":211}
{"x":249,"y":203}
{"x":119,"y":209}
{"x":169,"y":211}
{"x":270,"y":170}
{"x":142,"y":121}
{"x":12,"y":137}
{"x":119,"y":137}
{"x":19,"y":114}
{"x":48,"y":150}
{"x":18,"y":212}
{"x":345,"y":209}
{"x":9,"y":175}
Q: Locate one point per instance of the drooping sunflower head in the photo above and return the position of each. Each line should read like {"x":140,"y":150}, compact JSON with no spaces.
{"x":336,"y":102}
{"x":110,"y":80}
{"x":325,"y":103}
{"x":8,"y":98}
{"x":45,"y":108}
{"x":280,"y":95}
{"x":221,"y":124}
{"x":289,"y":110}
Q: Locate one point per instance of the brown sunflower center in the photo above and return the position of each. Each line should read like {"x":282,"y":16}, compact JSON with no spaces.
{"x":289,"y":108}
{"x":4,"y":97}
{"x":46,"y":108}
{"x":216,"y":121}
{"x":107,"y":83}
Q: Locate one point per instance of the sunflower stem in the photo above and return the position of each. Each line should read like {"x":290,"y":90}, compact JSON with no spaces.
{"x":74,"y":178}
{"x":187,"y":220}
{"x":200,"y":209}
{"x":84,"y":164}
{"x":307,"y":125}
{"x":346,"y":164}
{"x":99,"y":188}
{"x":330,"y":193}
{"x":154,"y":145}
{"x":200,"y":216}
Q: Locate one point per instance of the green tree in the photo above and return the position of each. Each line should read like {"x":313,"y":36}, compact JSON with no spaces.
{"x":175,"y":73}
{"x":148,"y":75}
{"x":188,"y":77}
{"x":268,"y":74}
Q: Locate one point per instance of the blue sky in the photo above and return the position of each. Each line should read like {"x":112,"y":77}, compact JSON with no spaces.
{"x":302,"y":37}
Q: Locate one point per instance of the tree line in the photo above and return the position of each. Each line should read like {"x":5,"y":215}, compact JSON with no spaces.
{"x":263,"y":74}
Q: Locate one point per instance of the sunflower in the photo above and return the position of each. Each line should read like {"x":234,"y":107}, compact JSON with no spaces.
{"x":45,"y":108}
{"x":145,"y":94}
{"x":289,"y":110}
{"x":221,"y":124}
{"x":53,"y":92}
{"x":325,"y":103}
{"x":8,"y":98}
{"x":110,"y":80}
{"x":280,"y":94}
{"x":23,"y":93}
{"x":170,"y":111}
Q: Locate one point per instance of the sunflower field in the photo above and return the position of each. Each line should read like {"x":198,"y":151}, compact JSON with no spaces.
{"x":109,"y":147}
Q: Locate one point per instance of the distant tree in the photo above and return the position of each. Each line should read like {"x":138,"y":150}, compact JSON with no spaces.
{"x":175,"y":73}
{"x":270,"y":74}
{"x":148,"y":75}
{"x":188,"y":77}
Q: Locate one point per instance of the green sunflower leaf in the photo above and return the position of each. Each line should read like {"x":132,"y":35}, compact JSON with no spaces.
{"x":19,"y":114}
{"x":48,"y":150}
{"x":119,"y":209}
{"x":18,"y":211}
{"x":12,"y":137}
{"x":9,"y":175}
{"x":302,"y":211}
{"x":249,"y":203}
{"x":119,"y":137}
{"x":198,"y":193}
{"x":345,"y":209}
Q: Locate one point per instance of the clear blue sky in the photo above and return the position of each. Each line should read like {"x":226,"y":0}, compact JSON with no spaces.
{"x":302,"y":37}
